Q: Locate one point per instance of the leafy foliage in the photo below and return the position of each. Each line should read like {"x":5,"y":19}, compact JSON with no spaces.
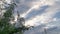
{"x":5,"y":27}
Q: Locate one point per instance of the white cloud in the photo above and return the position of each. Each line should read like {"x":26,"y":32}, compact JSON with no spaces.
{"x":37,"y":4}
{"x":55,"y":19}
{"x":8,"y":1}
{"x":44,"y":17}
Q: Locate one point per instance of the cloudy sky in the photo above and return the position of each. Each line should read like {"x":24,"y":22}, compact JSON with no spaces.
{"x":38,"y":12}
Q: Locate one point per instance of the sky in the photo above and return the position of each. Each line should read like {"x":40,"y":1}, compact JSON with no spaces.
{"x":38,"y":12}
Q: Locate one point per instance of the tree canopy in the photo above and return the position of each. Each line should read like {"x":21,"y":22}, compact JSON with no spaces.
{"x":5,"y":26}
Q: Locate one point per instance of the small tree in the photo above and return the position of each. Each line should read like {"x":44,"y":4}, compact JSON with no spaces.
{"x":5,"y":26}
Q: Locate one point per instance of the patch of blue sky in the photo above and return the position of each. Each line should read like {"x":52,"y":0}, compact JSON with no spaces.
{"x":57,"y":15}
{"x":37,"y":12}
{"x":23,"y":8}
